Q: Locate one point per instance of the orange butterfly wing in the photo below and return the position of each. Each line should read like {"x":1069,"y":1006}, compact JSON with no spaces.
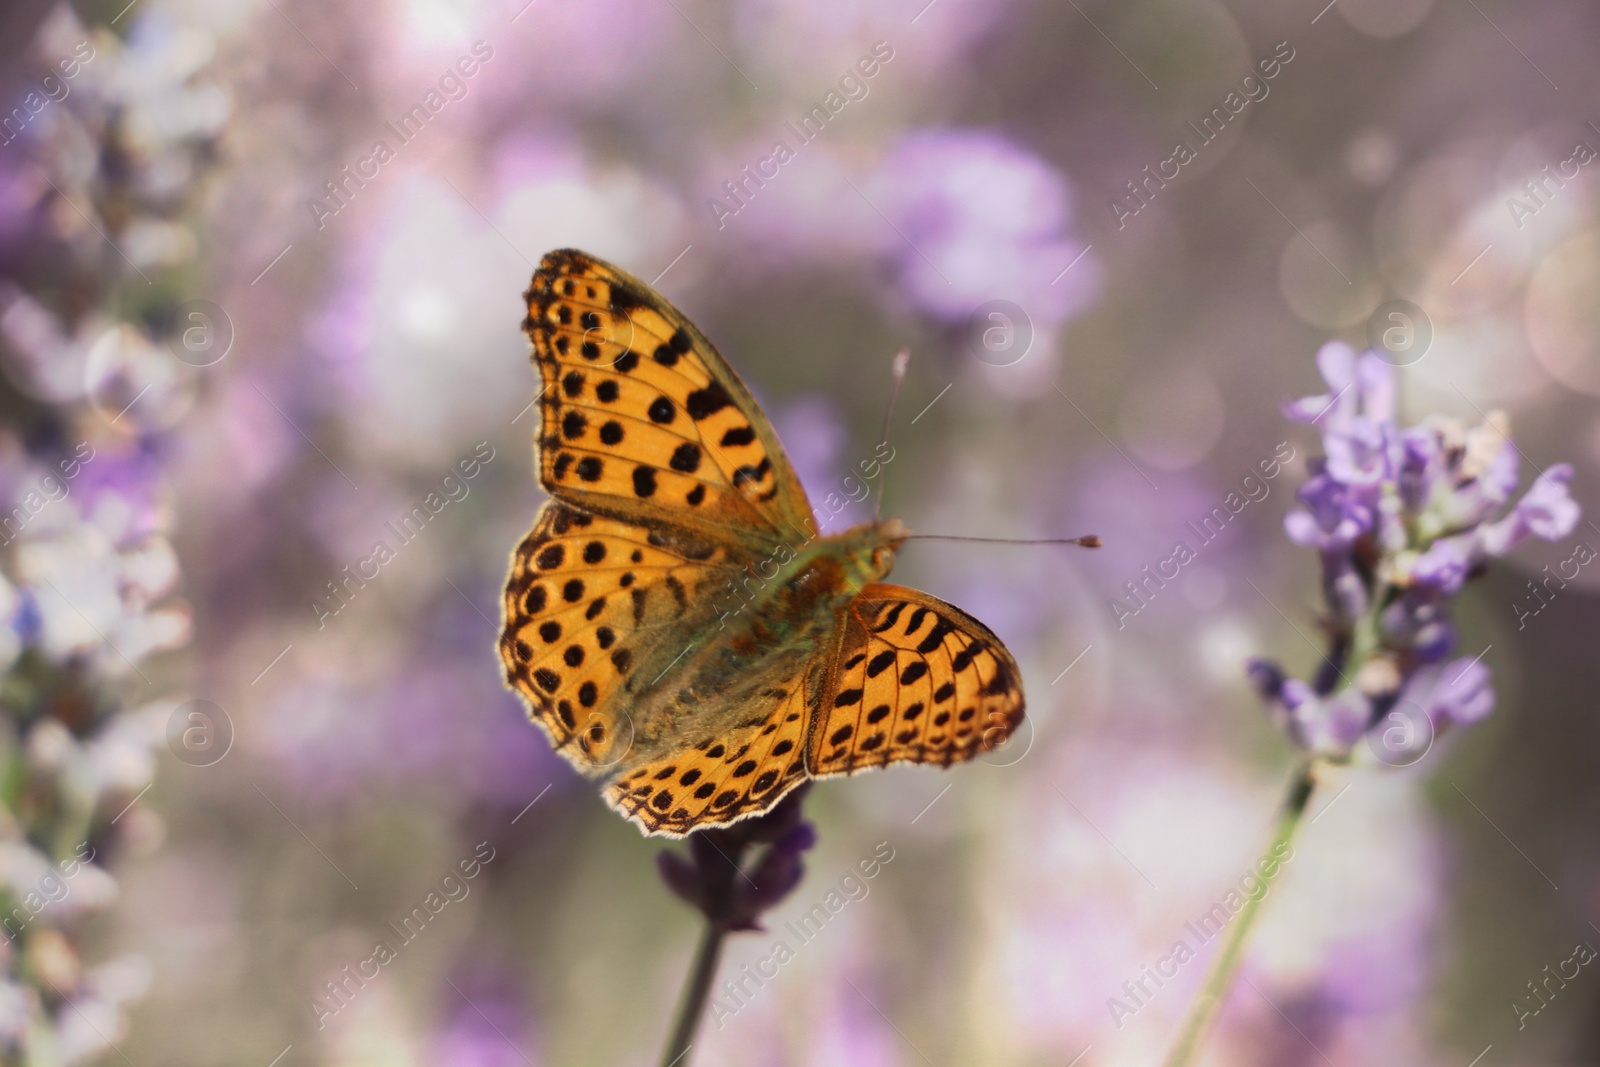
{"x":643,"y":418}
{"x":916,"y":680}
{"x":589,"y":607}
{"x":727,"y":777}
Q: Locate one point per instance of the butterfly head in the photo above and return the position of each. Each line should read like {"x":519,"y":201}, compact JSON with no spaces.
{"x":869,"y":550}
{"x":884,"y":538}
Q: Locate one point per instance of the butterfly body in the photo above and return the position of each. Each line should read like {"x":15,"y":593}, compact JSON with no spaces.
{"x":788,"y":620}
{"x":811,"y":586}
{"x":673,"y":620}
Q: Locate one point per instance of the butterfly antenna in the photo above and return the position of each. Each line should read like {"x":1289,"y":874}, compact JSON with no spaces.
{"x":902,"y":360}
{"x":1087,"y":541}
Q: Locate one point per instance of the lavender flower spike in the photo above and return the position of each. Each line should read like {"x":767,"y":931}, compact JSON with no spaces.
{"x":1403,"y":518}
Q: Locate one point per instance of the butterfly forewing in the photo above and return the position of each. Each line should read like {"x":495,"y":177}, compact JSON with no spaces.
{"x":917,"y":681}
{"x":643,"y":418}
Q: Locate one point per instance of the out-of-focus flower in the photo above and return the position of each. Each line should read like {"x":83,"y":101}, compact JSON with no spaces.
{"x":397,"y":722}
{"x":1402,"y":517}
{"x":711,"y":880}
{"x":977,"y":218}
{"x":90,"y":571}
{"x":795,"y":43}
{"x":104,"y":180}
{"x":485,"y":1024}
{"x":17,"y":1006}
{"x":815,"y":437}
{"x":127,"y":145}
{"x":47,"y":361}
{"x":853,"y":1032}
{"x":85,"y":572}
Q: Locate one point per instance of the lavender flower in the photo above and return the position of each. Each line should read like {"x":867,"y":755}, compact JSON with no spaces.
{"x":87,"y":571}
{"x":1403,"y":517}
{"x":731,"y":895}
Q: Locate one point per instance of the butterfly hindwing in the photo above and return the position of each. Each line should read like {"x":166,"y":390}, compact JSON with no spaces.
{"x":725,"y":777}
{"x":917,"y":680}
{"x":643,"y":418}
{"x":591,"y":608}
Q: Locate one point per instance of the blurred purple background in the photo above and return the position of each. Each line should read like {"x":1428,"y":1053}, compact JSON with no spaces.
{"x":1014,"y":159}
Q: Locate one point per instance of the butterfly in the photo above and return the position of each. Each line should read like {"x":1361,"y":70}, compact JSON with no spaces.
{"x":674,"y":621}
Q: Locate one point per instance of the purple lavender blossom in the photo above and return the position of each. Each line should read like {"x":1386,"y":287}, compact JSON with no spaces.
{"x":87,"y":570}
{"x":1403,"y":517}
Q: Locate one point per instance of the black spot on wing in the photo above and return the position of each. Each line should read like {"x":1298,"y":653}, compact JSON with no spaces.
{"x":624,"y":298}
{"x":889,"y":618}
{"x":935,"y":636}
{"x":686,"y":458}
{"x":703,"y":403}
{"x":644,"y":481}
{"x":748,"y":473}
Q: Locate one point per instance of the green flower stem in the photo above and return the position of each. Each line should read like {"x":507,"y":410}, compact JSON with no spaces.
{"x":1365,"y":639}
{"x":1214,"y":990}
{"x":696,"y":988}
{"x":72,"y":831}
